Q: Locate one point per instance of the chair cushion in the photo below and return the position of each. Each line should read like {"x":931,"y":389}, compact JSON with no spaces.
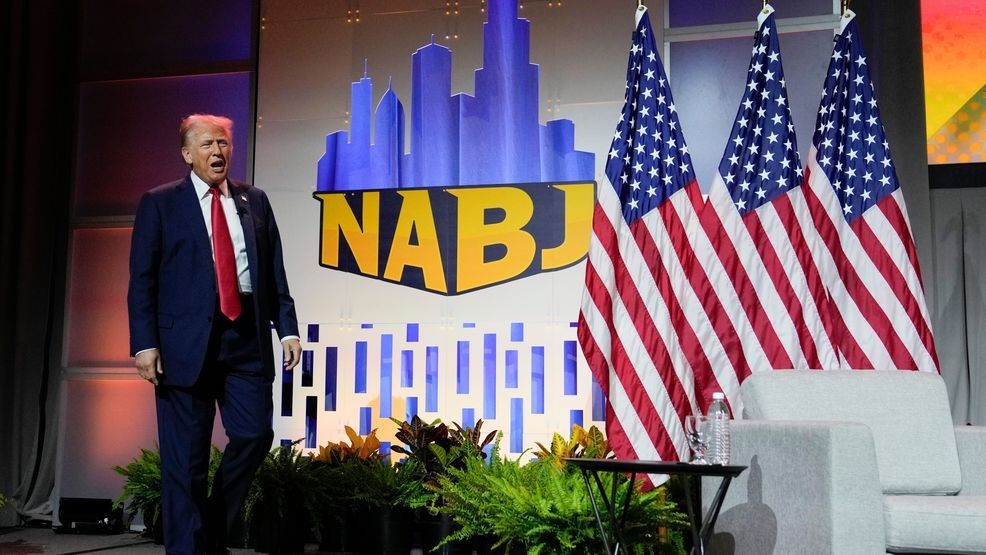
{"x":935,"y":523}
{"x":908,"y":413}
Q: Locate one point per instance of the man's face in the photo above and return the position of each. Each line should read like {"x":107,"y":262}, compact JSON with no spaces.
{"x":208,"y":151}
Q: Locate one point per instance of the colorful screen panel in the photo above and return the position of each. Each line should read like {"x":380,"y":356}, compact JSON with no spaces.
{"x":955,"y":79}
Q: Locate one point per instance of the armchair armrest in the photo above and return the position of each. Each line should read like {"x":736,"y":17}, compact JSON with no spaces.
{"x":971,"y":444}
{"x":811,"y":487}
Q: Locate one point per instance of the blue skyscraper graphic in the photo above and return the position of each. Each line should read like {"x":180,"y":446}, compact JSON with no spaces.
{"x":493,"y":137}
{"x":435,"y":121}
{"x":388,"y":146}
{"x":346,"y":162}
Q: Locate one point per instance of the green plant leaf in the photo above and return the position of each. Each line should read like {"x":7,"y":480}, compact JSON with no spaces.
{"x":544,"y":508}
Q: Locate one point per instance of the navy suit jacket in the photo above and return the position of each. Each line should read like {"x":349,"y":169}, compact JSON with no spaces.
{"x":172,"y":295}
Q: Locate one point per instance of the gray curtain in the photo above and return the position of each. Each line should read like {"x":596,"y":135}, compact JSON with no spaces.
{"x":37,"y":94}
{"x":959,"y":264}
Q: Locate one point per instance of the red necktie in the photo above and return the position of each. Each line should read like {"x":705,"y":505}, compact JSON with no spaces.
{"x":222,"y":246}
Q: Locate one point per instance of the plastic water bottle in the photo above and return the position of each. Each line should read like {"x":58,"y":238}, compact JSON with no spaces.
{"x":718,"y":452}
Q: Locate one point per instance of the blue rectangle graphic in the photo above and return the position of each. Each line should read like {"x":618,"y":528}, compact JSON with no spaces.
{"x":431,"y":379}
{"x":462,"y":368}
{"x":411,"y":408}
{"x":365,"y":419}
{"x":386,"y":375}
{"x":407,"y":368}
{"x":516,"y":425}
{"x":517,"y":331}
{"x":468,"y":418}
{"x":287,"y":393}
{"x":575,"y":417}
{"x":313,"y":333}
{"x":510,"y":369}
{"x":307,"y":368}
{"x":598,"y":402}
{"x":331,"y":377}
{"x":537,"y":380}
{"x":569,"y":368}
{"x":489,"y":376}
{"x":412,"y":333}
{"x":311,"y":421}
{"x":360,"y":367}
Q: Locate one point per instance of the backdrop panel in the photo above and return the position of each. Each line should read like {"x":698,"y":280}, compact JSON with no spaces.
{"x":96,"y":329}
{"x":142,"y":112}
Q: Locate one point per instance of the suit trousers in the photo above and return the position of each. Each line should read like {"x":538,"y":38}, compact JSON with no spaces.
{"x":233,"y":377}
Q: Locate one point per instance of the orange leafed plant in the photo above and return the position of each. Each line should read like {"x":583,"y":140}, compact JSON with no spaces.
{"x":359,"y":447}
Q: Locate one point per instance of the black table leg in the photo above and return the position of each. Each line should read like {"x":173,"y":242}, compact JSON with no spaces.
{"x":694,"y":518}
{"x":702,"y":528}
{"x":616,"y":520}
{"x":595,"y":509}
{"x":710,"y":520}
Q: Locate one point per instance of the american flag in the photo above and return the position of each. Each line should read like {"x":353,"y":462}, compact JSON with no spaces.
{"x":754,"y":250}
{"x":634,"y":326}
{"x":869,"y":265}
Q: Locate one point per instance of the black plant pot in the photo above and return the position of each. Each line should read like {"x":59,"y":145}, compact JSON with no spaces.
{"x":484,"y":546}
{"x":390,"y":531}
{"x":237,"y":536}
{"x":435,"y":528}
{"x":153,"y":526}
{"x":270,"y":533}
{"x":344,"y":533}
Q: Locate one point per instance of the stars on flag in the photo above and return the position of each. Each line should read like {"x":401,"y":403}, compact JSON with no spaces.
{"x":648,"y":160}
{"x":852,"y":145}
{"x":761,"y":160}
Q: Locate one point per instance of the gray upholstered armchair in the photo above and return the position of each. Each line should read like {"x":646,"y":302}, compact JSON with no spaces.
{"x":852,"y":462}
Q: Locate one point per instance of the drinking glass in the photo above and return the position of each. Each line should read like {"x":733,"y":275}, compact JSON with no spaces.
{"x":697,"y":432}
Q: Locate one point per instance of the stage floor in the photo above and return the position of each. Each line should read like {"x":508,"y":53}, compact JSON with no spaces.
{"x":28,"y":541}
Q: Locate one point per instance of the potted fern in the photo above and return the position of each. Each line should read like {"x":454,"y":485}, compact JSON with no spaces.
{"x":544,"y":507}
{"x":434,"y":447}
{"x":341,"y":526}
{"x":142,"y":490}
{"x":284,"y":502}
{"x":368,"y":499}
{"x":385,"y":492}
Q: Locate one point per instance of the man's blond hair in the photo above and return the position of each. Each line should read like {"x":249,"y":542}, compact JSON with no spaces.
{"x":185,"y":130}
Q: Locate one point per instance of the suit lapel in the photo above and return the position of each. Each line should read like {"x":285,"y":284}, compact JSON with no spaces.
{"x":192,"y":207}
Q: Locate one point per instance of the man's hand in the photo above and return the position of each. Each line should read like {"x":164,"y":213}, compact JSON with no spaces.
{"x":149,"y":365}
{"x":292,"y":353}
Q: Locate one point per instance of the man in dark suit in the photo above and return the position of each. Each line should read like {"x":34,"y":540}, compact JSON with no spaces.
{"x":207,"y":281}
